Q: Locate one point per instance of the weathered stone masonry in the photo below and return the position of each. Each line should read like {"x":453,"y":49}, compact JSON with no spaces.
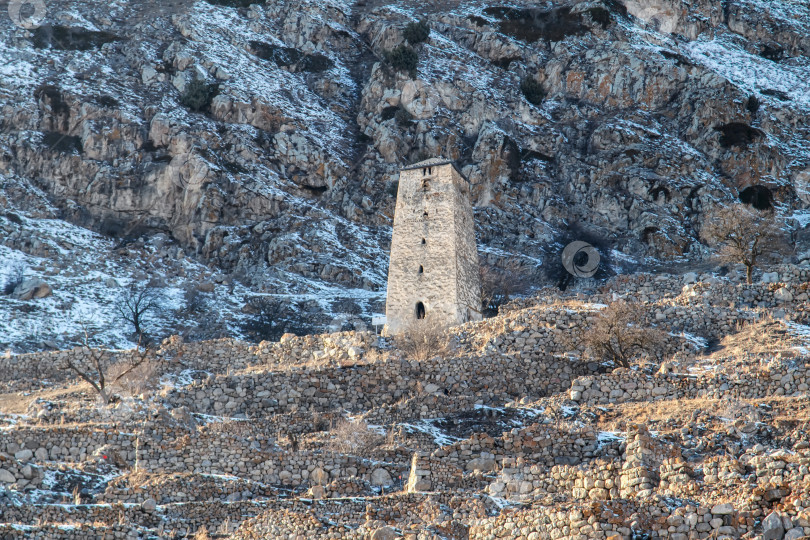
{"x":433,"y":272}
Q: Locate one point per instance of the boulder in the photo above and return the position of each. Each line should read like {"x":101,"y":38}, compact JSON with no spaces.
{"x":319,"y":477}
{"x":723,"y":509}
{"x":770,"y":277}
{"x":317,"y":492}
{"x":149,"y":505}
{"x":148,"y":74}
{"x":205,"y":286}
{"x":481,"y":464}
{"x":795,"y":533}
{"x":385,"y":533}
{"x":32,"y":288}
{"x":6,"y":477}
{"x":381,"y":477}
{"x":24,"y":455}
{"x":783,"y":295}
{"x":772,"y":528}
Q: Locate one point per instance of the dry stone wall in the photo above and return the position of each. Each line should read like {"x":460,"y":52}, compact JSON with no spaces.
{"x":218,"y":453}
{"x":33,"y":370}
{"x":654,"y":517}
{"x":368,"y":386}
{"x":780,"y":376}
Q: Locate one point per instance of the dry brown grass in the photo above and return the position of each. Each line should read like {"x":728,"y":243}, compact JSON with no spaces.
{"x":17,"y":402}
{"x":681,"y":411}
{"x":766,"y":335}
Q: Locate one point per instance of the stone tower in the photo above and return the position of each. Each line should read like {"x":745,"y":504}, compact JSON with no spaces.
{"x":433,"y":271}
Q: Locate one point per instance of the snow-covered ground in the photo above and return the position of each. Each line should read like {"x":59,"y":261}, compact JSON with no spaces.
{"x":753,"y":73}
{"x":89,"y":274}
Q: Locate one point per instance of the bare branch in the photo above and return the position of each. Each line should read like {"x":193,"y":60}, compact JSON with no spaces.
{"x":619,"y":334}
{"x":423,"y":339}
{"x":743,"y":235}
{"x":136,"y":303}
{"x":92,"y":366}
{"x":500,"y":283}
{"x":141,"y":355}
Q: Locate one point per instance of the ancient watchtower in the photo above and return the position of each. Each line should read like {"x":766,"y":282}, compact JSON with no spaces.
{"x":433,"y":272}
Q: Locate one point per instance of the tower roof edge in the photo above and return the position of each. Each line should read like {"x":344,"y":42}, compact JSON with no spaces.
{"x":432,"y":162}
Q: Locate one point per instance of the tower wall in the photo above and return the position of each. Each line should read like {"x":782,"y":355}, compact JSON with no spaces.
{"x":433,"y":229}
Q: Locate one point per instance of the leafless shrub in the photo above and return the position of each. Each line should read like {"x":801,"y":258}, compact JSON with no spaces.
{"x":500,"y":283}
{"x":93,"y":366}
{"x":619,"y":334}
{"x":354,"y":437}
{"x":422,"y":340}
{"x":129,"y":381}
{"x":16,"y":276}
{"x":743,"y":235}
{"x":136,"y":303}
{"x":202,"y":533}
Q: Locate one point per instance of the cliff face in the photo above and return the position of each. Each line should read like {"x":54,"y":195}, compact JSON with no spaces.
{"x":617,"y":121}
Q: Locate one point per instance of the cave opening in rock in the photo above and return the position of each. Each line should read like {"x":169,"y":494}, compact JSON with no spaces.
{"x":760,"y":197}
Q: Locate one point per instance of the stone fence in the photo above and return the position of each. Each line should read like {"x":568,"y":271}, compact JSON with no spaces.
{"x":772,"y":377}
{"x":34,"y":370}
{"x":621,"y":519}
{"x":204,"y":452}
{"x":361,"y":387}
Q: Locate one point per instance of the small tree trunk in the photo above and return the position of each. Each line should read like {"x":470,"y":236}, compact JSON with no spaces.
{"x":749,"y":270}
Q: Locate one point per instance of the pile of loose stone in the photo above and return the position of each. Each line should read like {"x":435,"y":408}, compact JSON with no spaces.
{"x":515,"y":433}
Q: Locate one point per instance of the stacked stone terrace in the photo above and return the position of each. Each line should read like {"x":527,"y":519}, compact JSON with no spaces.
{"x":514,"y":433}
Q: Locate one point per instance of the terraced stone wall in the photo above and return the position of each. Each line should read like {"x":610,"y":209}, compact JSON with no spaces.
{"x":774,"y":376}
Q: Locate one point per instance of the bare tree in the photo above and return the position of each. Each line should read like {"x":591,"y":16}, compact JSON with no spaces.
{"x":92,"y":366}
{"x":500,"y":283}
{"x":619,"y":334}
{"x":743,"y":235}
{"x":135,"y":304}
{"x":423,"y":339}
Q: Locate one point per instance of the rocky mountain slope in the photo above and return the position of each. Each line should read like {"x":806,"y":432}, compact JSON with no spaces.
{"x":617,"y":122}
